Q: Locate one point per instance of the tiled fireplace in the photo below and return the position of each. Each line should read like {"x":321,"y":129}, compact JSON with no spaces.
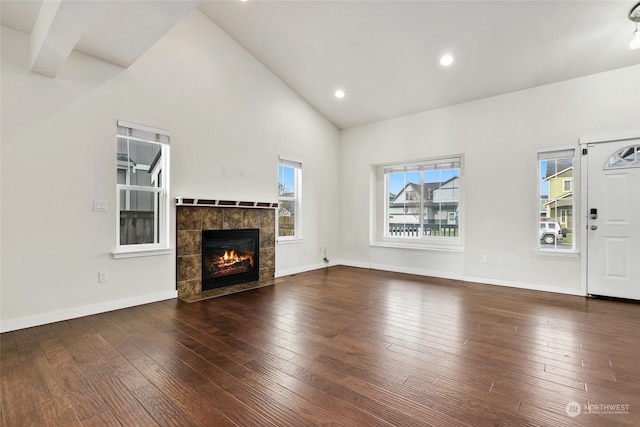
{"x":195,"y":220}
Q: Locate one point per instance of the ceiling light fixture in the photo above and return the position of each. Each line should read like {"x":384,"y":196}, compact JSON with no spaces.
{"x":446,"y":60}
{"x":339,"y":94}
{"x":634,"y":15}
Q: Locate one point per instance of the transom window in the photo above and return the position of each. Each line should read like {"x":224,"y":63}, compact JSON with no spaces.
{"x":423,"y":200}
{"x":142,"y":181}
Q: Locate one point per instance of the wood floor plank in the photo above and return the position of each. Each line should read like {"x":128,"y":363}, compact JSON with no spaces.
{"x":336,"y":347}
{"x":122,"y":404}
{"x":58,"y":412}
{"x":233,"y":377}
{"x":18,"y":406}
{"x":267,"y":404}
{"x":162,"y":409}
{"x":212,"y":409}
{"x":337,"y":405}
{"x":103,"y":419}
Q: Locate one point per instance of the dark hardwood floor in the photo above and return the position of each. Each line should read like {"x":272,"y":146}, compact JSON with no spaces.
{"x":335,"y":347}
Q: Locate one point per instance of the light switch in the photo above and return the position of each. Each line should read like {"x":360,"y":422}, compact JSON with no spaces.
{"x":100,"y":206}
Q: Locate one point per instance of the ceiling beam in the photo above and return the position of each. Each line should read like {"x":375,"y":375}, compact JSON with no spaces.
{"x":59,"y":26}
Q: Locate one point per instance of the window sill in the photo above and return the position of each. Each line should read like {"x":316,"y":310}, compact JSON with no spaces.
{"x":573,"y":253}
{"x":135,"y":253}
{"x":289,"y":240}
{"x":417,"y":246}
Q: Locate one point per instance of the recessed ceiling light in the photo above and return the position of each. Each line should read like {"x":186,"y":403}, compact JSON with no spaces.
{"x":339,"y":94}
{"x":446,"y":60}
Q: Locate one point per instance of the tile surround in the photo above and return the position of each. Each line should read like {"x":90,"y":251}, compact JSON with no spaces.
{"x":191,"y":220}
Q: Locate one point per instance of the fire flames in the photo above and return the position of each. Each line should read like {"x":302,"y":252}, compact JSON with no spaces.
{"x":231,"y":262}
{"x":231,"y":257}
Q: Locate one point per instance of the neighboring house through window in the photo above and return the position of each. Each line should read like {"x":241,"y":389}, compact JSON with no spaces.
{"x":289,"y":206}
{"x":425,"y":200}
{"x":555,"y":196}
{"x":142,"y":184}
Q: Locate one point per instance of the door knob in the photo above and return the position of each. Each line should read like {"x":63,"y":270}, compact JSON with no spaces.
{"x":594,"y":227}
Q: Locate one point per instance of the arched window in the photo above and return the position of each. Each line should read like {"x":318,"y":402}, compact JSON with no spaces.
{"x":628,"y":157}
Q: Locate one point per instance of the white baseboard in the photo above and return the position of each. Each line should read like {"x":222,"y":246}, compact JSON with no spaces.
{"x":356,"y":264}
{"x":416,"y":271}
{"x":57,"y":316}
{"x":479,"y":280}
{"x":397,"y":269}
{"x":529,"y":286}
{"x":291,"y":271}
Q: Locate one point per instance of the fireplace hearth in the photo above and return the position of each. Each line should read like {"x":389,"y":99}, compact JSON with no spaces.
{"x":229,"y":257}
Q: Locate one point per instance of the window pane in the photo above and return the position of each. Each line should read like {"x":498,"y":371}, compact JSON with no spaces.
{"x":556,"y":203}
{"x":405,"y":194}
{"x":138,"y":217}
{"x":286,"y":181}
{"x":288,"y":200}
{"x":286,"y":218}
{"x":423,"y":203}
{"x":136,"y":161}
{"x":443,"y":195}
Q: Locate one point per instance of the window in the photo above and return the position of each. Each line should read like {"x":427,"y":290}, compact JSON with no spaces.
{"x":556,"y":200}
{"x":424,"y":200}
{"x":628,"y":157}
{"x":142,"y":164}
{"x":289,"y":185}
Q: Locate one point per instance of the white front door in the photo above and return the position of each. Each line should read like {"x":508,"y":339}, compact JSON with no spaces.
{"x":613,"y":219}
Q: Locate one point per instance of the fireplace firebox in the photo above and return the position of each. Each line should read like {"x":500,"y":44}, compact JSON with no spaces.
{"x":229,"y":257}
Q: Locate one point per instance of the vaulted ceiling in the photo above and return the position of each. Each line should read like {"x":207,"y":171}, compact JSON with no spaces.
{"x":383,"y":54}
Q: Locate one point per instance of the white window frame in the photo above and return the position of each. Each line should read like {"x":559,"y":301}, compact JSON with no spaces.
{"x":554,"y":154}
{"x":161,"y":208}
{"x":380,"y":235}
{"x":296,"y":199}
{"x":564,"y":184}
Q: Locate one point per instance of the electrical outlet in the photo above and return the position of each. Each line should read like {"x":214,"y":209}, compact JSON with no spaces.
{"x":103,"y":276}
{"x":484,"y":259}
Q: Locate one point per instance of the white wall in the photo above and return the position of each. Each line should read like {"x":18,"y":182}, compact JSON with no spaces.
{"x":223,"y":108}
{"x":499,"y":138}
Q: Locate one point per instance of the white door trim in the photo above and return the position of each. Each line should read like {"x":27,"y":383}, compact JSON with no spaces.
{"x":584,"y":202}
